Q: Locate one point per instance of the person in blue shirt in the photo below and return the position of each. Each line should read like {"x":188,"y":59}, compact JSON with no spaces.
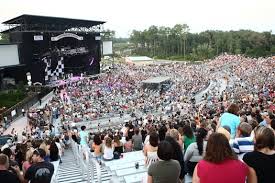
{"x":84,"y":136}
{"x":267,"y":116}
{"x":231,"y":118}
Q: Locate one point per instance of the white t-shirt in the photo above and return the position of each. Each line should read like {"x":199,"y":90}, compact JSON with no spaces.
{"x":108,"y":153}
{"x":59,"y":148}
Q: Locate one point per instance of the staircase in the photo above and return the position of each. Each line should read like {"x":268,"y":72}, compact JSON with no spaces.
{"x":69,"y":171}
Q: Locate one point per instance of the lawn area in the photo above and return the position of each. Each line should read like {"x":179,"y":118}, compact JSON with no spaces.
{"x":10,"y":98}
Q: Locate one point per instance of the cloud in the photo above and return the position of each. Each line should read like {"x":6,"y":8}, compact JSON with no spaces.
{"x":126,"y":15}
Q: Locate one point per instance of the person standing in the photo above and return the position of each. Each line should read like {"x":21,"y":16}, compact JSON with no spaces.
{"x":23,"y":111}
{"x":231,"y":118}
{"x":84,"y":136}
{"x":137,"y":140}
{"x":40,"y":171}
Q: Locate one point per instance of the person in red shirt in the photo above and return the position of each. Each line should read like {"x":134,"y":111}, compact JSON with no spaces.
{"x":220,"y":163}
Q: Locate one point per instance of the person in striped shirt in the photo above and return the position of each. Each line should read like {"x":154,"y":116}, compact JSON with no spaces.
{"x":243,"y":142}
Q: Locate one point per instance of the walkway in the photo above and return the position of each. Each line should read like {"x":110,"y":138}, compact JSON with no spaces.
{"x":21,"y":122}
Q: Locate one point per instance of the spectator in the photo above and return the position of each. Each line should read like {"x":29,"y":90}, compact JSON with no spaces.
{"x":60,"y":149}
{"x":162,"y":132}
{"x":262,"y":160}
{"x":45,"y":148}
{"x":174,"y":133}
{"x":150,"y":150}
{"x":243,"y":142}
{"x":218,"y":163}
{"x":12,"y":163}
{"x":118,"y":145}
{"x":137,"y":140}
{"x":108,"y":153}
{"x":40,"y":171}
{"x":225,"y":131}
{"x":194,"y":152}
{"x":167,"y":170}
{"x":128,"y":146}
{"x":54,"y":152}
{"x":83,"y":134}
{"x":74,"y":137}
{"x":5,"y":175}
{"x":268,"y":117}
{"x":28,"y":161}
{"x":177,"y":155}
{"x":97,"y":147}
{"x":130,"y":131}
{"x":231,"y":119}
{"x":188,"y":136}
{"x":149,"y":131}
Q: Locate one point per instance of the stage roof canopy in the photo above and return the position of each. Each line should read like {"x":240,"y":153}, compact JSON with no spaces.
{"x":47,"y":23}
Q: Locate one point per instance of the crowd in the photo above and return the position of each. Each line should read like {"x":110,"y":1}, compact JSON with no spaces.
{"x":225,"y":136}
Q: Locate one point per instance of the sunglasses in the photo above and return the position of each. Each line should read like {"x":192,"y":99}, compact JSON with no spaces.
{"x":36,"y":152}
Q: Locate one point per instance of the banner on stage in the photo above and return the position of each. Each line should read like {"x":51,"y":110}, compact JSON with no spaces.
{"x":61,"y":36}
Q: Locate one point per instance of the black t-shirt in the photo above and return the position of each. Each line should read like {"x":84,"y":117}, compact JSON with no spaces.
{"x":8,"y":177}
{"x":263,"y":165}
{"x":40,"y":172}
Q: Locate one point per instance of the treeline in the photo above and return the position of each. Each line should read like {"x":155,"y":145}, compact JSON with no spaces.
{"x":179,"y":43}
{"x":4,"y":38}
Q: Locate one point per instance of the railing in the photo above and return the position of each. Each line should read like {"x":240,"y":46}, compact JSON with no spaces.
{"x":24,"y":104}
{"x":88,"y":167}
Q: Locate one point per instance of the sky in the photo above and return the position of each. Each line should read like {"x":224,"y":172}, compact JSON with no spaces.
{"x":123,"y":16}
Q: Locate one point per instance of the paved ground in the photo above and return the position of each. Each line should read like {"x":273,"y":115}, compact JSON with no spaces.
{"x":21,"y":122}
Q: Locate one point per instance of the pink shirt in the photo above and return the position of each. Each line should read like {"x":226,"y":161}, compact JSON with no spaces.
{"x":228,"y":171}
{"x":26,"y":165}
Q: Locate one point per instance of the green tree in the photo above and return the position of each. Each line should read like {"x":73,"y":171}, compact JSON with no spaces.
{"x":4,"y":38}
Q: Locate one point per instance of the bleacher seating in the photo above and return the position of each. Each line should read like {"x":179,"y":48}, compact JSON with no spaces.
{"x":74,"y":170}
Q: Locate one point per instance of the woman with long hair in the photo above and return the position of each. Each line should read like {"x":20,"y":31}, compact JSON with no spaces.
{"x":118,"y":145}
{"x":188,"y":136}
{"x":54,"y":151}
{"x":28,"y":161}
{"x":108,"y":149}
{"x":97,"y":146}
{"x":150,"y":150}
{"x":262,"y":160}
{"x":194,"y":152}
{"x":220,"y":163}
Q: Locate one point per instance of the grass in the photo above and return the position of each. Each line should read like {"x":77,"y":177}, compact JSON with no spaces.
{"x":10,"y":98}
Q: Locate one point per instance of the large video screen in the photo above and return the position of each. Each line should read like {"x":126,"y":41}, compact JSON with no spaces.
{"x":107,"y":47}
{"x":8,"y":55}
